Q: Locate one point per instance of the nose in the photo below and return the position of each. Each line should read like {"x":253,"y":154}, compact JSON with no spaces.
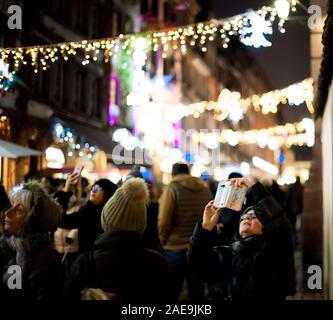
{"x":9,"y":212}
{"x":247,"y":217}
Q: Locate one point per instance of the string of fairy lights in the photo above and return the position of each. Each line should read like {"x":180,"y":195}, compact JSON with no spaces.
{"x":291,"y":134}
{"x":231,"y":105}
{"x":250,"y":27}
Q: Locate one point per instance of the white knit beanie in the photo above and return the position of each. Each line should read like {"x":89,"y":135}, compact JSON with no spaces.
{"x":126,"y":209}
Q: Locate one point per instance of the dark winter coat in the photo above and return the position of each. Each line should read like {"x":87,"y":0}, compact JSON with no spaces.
{"x":120,"y":264}
{"x":41,"y":276}
{"x":87,"y":220}
{"x":251,"y":267}
{"x":150,"y":234}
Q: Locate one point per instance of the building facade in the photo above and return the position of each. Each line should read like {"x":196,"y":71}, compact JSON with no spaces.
{"x":76,"y":95}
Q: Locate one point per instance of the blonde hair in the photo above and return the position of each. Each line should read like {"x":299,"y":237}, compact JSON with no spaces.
{"x":22,"y":196}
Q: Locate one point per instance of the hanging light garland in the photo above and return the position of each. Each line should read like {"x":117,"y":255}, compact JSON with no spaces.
{"x":245,"y":26}
{"x":230,"y":104}
{"x":299,"y":134}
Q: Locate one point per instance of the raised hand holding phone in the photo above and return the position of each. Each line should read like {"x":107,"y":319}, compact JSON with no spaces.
{"x":73,"y":179}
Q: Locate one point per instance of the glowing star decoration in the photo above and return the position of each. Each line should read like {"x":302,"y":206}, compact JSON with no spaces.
{"x":6,"y":78}
{"x":229,"y":106}
{"x":254,"y":34}
{"x":235,"y":112}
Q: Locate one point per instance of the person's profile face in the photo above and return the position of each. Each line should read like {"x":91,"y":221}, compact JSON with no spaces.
{"x":97,"y":194}
{"x":14,"y":218}
{"x":249,"y":225}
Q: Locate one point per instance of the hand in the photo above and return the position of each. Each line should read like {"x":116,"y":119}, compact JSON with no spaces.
{"x":238,"y":182}
{"x":71,"y":181}
{"x":211,"y":216}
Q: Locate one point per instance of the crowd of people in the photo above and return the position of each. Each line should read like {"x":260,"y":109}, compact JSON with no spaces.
{"x":121,"y":243}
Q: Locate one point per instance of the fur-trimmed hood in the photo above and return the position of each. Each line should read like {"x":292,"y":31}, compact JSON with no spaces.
{"x":45,"y":213}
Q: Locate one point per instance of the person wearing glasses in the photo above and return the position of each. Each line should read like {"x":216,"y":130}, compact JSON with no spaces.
{"x":88,"y":219}
{"x":254,"y":262}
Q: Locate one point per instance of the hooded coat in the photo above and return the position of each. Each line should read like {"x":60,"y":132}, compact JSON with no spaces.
{"x":181,"y":206}
{"x":33,"y":253}
{"x":251,"y":267}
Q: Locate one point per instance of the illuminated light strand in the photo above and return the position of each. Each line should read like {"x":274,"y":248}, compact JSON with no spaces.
{"x":73,"y":143}
{"x":230,"y":102}
{"x":177,"y":38}
{"x":299,"y":134}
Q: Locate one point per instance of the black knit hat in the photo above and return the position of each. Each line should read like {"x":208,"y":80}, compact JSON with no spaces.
{"x":260,"y":213}
{"x":108,"y":187}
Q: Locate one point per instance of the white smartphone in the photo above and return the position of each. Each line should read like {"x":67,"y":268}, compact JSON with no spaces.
{"x":228,"y":196}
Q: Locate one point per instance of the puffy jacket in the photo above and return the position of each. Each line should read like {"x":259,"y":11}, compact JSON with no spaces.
{"x":181,"y":206}
{"x":251,"y":267}
{"x":41,"y":277}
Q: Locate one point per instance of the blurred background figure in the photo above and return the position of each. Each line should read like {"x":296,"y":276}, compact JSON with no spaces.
{"x":295,"y":204}
{"x":48,"y":184}
{"x":135,"y":173}
{"x":235,"y":175}
{"x":150,"y":235}
{"x":210,"y":182}
{"x":181,"y":206}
